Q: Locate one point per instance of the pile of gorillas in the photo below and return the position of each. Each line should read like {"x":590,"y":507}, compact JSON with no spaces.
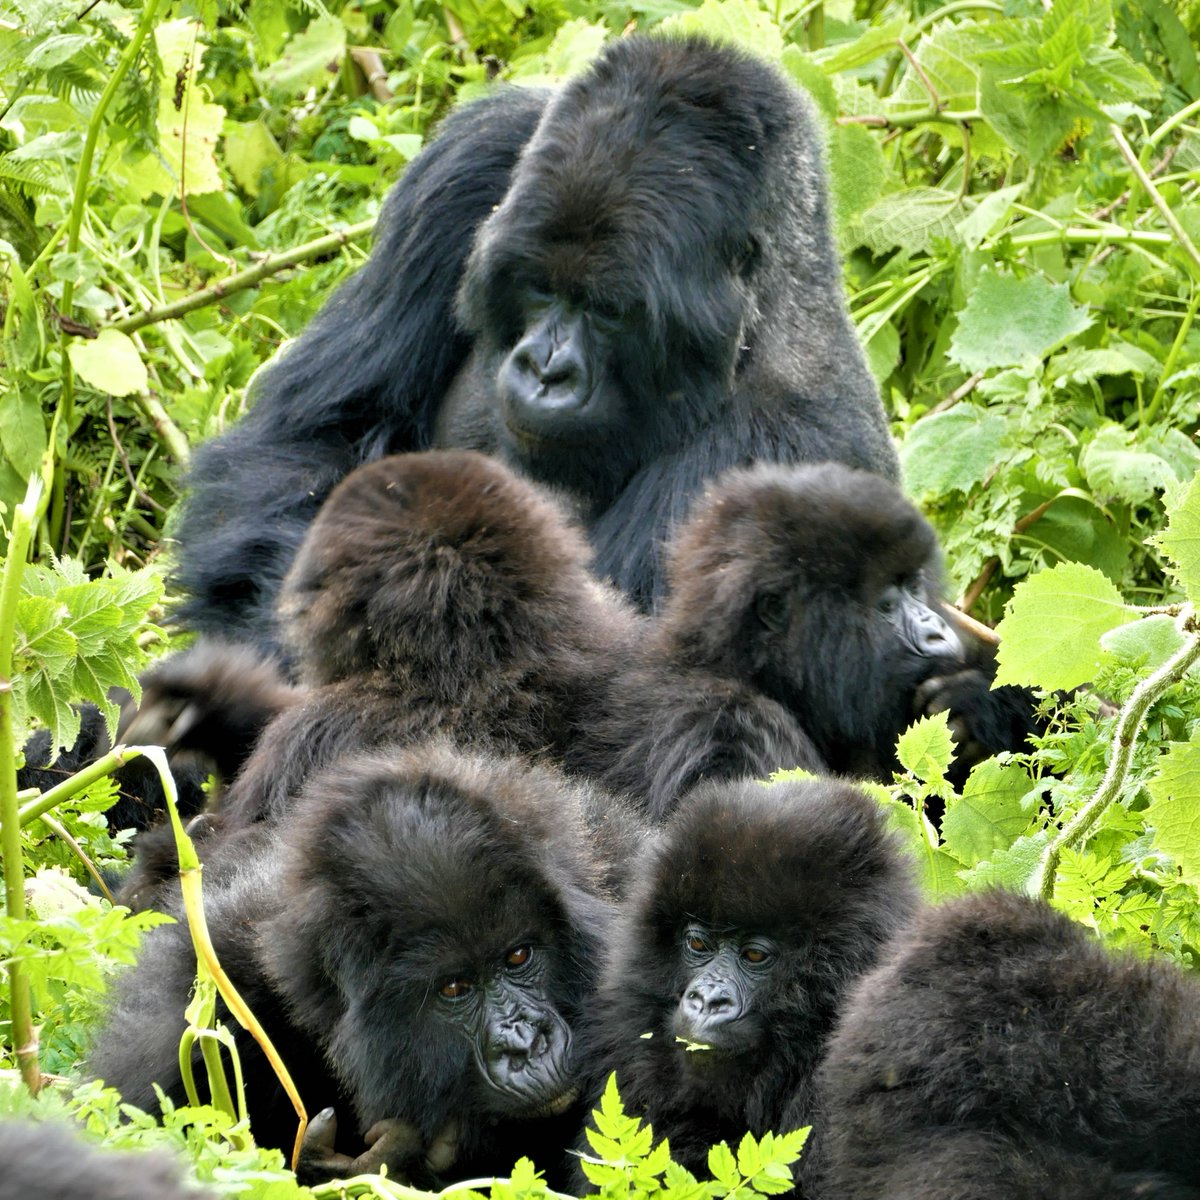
{"x":573,"y":515}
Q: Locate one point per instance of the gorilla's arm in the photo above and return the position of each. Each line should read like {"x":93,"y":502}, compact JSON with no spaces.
{"x":663,"y":733}
{"x":386,"y":345}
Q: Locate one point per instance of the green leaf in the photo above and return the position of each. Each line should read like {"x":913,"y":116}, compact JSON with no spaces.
{"x":1147,"y":643}
{"x":1012,"y":868}
{"x":1050,"y":634}
{"x":22,"y":432}
{"x":110,"y":363}
{"x":1115,"y":467}
{"x":876,"y":41}
{"x":910,"y":219}
{"x":856,"y":171}
{"x":723,"y":1165}
{"x":989,"y":213}
{"x":250,"y":151}
{"x":926,"y":747}
{"x":989,"y":815}
{"x":307,"y":56}
{"x":741,"y":22}
{"x":805,"y":70}
{"x":950,"y":451}
{"x":1011,"y":322}
{"x":1174,"y":813}
{"x":188,"y":130}
{"x":1180,"y":541}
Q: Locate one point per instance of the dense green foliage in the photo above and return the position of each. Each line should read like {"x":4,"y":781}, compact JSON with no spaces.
{"x":1015,"y":189}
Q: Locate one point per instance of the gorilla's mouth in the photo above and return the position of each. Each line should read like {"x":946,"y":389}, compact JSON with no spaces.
{"x":561,"y":1102}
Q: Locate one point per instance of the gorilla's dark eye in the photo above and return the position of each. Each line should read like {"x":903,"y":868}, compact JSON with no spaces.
{"x":696,"y":942}
{"x":772,"y":611}
{"x":519,"y":956}
{"x":889,"y":602}
{"x":755,"y":955}
{"x":456,"y":989}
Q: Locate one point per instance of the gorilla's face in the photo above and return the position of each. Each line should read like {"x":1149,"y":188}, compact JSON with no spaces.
{"x":613,"y":293}
{"x":725,"y":975}
{"x":502,"y":1007}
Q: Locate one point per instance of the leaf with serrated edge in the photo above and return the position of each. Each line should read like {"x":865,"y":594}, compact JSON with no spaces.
{"x":926,"y":747}
{"x":1180,"y":541}
{"x":1174,"y":814}
{"x":1050,"y":634}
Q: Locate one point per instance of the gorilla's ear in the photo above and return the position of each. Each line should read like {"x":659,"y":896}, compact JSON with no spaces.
{"x":772,"y":611}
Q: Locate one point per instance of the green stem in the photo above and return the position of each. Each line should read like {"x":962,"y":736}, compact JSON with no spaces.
{"x":957,"y":6}
{"x":1173,"y":122}
{"x":76,"y":783}
{"x":24,"y":1037}
{"x":1164,"y":209}
{"x":1125,"y":734}
{"x":75,"y":225}
{"x":920,"y":116}
{"x":1082,"y":236}
{"x":247,"y":278}
{"x":1172,"y":357}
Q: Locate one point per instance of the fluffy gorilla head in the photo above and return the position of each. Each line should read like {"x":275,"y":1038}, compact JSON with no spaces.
{"x":439,"y":923}
{"x":756,"y":909}
{"x":820,"y":586}
{"x":661,"y":228}
{"x":52,"y":1162}
{"x":438,"y":564}
{"x":1000,"y":1051}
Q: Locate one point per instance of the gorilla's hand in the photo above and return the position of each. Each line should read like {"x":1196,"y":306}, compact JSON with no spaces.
{"x":957,"y":694}
{"x":983,"y":720}
{"x":391,"y":1143}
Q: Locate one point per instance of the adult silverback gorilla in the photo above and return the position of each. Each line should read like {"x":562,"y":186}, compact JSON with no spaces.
{"x":620,"y":287}
{"x":753,"y":914}
{"x":999,"y":1052}
{"x":419,"y":942}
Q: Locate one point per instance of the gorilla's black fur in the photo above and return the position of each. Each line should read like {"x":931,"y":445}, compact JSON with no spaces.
{"x":803,"y":613}
{"x":420,"y":941}
{"x":434,"y":593}
{"x":52,"y":1162}
{"x":999,"y":1052}
{"x":647,"y":293}
{"x":755,"y":911}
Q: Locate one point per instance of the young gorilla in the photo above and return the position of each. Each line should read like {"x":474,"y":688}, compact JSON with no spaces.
{"x":52,"y":1162}
{"x":419,"y":941}
{"x":757,"y":908}
{"x":802,"y":621}
{"x":434,"y":593}
{"x":620,"y":287}
{"x":999,"y":1052}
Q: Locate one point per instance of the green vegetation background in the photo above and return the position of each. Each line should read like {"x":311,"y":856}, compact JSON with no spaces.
{"x":1016,"y":200}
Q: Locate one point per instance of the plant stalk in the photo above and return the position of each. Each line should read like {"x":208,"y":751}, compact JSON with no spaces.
{"x":25,"y":1045}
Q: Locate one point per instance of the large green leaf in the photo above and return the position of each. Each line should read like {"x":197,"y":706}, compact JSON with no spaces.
{"x":950,"y":451}
{"x":1050,"y":634}
{"x":1180,"y":541}
{"x":1014,"y":322}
